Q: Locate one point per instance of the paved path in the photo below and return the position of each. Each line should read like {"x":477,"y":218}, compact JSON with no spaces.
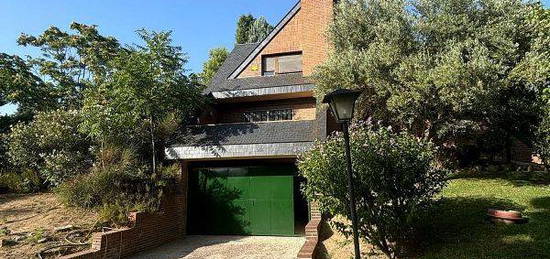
{"x":221,"y":247}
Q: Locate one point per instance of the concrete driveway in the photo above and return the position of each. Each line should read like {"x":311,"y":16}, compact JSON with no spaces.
{"x":221,"y":247}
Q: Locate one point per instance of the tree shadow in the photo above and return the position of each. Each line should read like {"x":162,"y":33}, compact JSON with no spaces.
{"x":459,"y":228}
{"x":325,"y":232}
{"x":210,"y":138}
{"x":216,"y":209}
{"x":518,"y":179}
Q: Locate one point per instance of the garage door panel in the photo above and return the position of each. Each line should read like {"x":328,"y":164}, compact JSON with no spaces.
{"x":248,"y":203}
{"x":280,"y":217}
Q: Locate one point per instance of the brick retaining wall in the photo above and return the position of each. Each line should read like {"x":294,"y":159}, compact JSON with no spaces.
{"x":309,"y":249}
{"x":149,"y":231}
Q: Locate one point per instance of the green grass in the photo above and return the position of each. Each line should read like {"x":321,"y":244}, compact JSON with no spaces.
{"x":457,"y":228}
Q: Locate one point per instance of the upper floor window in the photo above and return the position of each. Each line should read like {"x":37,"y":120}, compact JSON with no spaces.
{"x":281,"y":64}
{"x":273,"y":115}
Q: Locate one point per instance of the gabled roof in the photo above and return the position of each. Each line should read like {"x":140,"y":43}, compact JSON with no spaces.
{"x":237,"y":56}
{"x":267,"y":40}
{"x":241,"y":56}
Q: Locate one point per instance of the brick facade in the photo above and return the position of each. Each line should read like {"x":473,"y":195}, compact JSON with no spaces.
{"x":148,"y":231}
{"x":305,"y":32}
{"x":302,"y":108}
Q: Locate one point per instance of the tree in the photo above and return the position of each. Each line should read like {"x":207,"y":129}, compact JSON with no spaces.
{"x":252,"y":30}
{"x":395,"y":178}
{"x":259,"y":30}
{"x":71,"y":63}
{"x":51,"y":146}
{"x":216,"y":57}
{"x":434,"y":68}
{"x":18,"y":84}
{"x":146,"y":90}
{"x":243,"y":26}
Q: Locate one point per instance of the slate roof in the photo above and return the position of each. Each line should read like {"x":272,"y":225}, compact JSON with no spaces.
{"x":250,"y":133}
{"x":220,"y":82}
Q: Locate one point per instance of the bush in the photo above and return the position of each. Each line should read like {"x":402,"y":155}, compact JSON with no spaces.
{"x":395,"y":177}
{"x":543,"y":139}
{"x":26,"y":182}
{"x":116,"y":185}
{"x":51,"y":145}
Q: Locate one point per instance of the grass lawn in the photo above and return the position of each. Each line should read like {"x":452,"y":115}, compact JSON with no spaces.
{"x":457,"y":227}
{"x":460,"y":231}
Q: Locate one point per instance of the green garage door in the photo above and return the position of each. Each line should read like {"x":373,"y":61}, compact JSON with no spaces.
{"x":243,"y":201}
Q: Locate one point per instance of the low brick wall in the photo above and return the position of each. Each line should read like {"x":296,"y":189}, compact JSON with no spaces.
{"x":309,"y":249}
{"x":148,"y":231}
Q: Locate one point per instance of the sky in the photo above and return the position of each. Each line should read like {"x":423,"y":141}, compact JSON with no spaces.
{"x":197,"y":25}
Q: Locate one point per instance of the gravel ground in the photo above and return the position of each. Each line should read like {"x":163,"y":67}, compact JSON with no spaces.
{"x":221,"y":247}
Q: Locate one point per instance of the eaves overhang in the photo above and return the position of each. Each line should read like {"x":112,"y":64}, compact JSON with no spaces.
{"x":289,"y":89}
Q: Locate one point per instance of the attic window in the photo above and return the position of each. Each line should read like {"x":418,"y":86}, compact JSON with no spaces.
{"x":281,"y":64}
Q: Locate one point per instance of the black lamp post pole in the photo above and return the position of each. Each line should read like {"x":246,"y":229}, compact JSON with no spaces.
{"x":345,"y":127}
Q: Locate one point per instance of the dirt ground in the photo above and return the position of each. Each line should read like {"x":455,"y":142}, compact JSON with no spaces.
{"x":31,"y":220}
{"x":334,"y":245}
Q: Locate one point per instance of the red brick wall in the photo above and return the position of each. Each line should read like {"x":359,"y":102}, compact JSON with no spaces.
{"x":309,"y":249}
{"x":148,"y":231}
{"x":304,"y":32}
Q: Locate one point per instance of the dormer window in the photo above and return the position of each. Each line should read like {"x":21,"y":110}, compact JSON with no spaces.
{"x":281,"y":64}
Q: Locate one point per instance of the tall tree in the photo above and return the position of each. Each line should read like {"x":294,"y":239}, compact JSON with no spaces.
{"x":147,"y":88}
{"x":437,"y":68}
{"x":71,"y":63}
{"x":251,"y":30}
{"x":216,"y":57}
{"x":19,"y":85}
{"x":535,"y":70}
{"x":243,"y":26}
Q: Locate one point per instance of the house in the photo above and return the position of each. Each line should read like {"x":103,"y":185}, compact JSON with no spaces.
{"x":238,"y":162}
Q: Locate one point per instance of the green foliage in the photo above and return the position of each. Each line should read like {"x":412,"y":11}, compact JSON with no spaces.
{"x":440,"y":69}
{"x":243,"y":26}
{"x":19,"y":85}
{"x":27,"y":181}
{"x":543,"y":139}
{"x":117,"y":179}
{"x":51,"y":146}
{"x":146,"y":89}
{"x":394,"y":175}
{"x":115,"y":214}
{"x":252,"y":30}
{"x":71,"y":62}
{"x":216,"y":57}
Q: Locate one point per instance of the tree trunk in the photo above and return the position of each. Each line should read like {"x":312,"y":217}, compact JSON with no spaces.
{"x":153,"y":149}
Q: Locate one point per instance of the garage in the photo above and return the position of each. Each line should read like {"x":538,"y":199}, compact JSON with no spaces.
{"x":245,"y":200}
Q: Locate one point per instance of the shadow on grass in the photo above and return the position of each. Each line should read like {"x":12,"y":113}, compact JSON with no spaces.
{"x":458,"y":228}
{"x":536,"y":178}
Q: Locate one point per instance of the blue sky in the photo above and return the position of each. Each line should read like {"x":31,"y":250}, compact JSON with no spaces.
{"x":197,"y":25}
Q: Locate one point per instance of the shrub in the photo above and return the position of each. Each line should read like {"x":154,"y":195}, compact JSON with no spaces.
{"x":117,"y":184}
{"x":395,"y":177}
{"x":51,"y":145}
{"x":26,"y":182}
{"x":543,"y":139}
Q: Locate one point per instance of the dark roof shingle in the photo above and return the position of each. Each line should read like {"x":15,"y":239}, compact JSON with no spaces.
{"x":249,"y":133}
{"x":221,"y":81}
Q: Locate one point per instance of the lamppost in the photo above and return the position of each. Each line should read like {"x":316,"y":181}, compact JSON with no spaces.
{"x":342,"y":102}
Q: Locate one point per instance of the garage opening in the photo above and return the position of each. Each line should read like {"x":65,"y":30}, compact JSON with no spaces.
{"x":246,"y":198}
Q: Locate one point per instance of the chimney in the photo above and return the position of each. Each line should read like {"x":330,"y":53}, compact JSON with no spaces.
{"x":316,"y":15}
